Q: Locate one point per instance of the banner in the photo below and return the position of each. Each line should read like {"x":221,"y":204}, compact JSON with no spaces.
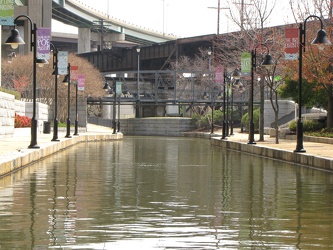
{"x":74,"y":74}
{"x":7,"y":12}
{"x":291,"y":44}
{"x":246,"y":63}
{"x":80,"y":82}
{"x":118,"y":88}
{"x":43,"y":43}
{"x":219,"y":74}
{"x":62,"y":62}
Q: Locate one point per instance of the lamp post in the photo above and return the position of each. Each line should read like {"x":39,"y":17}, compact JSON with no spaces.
{"x":76,"y":129}
{"x":224,"y":123}
{"x":209,"y":52}
{"x":321,"y":39}
{"x":55,"y":73}
{"x":236,"y":76}
{"x":268,"y":62}
{"x":15,"y":40}
{"x":226,"y":79}
{"x":137,"y":115}
{"x":119,"y":96}
{"x":113,"y":90}
{"x":67,"y":80}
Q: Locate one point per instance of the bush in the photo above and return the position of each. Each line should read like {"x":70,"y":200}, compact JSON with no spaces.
{"x":308,"y":125}
{"x":246,"y":120}
{"x":206,"y":120}
{"x":22,"y":121}
{"x":12,"y":92}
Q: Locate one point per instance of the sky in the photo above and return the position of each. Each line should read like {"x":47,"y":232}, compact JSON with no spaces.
{"x":183,"y":18}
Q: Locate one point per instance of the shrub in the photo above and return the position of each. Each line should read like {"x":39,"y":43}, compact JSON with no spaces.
{"x":12,"y":92}
{"x":22,"y":121}
{"x":246,"y":120}
{"x":308,"y":125}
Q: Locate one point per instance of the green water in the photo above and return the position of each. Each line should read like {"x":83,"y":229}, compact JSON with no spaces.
{"x":164,"y":193}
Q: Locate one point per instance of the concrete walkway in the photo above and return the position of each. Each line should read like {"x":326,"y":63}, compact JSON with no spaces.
{"x":14,"y":151}
{"x":318,"y":155}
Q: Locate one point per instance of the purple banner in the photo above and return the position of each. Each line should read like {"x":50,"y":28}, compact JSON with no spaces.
{"x":43,"y":43}
{"x":80,"y":82}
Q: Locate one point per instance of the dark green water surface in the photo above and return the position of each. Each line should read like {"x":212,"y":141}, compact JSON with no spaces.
{"x":164,"y":193}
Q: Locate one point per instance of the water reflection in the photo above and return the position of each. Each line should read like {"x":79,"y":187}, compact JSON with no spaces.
{"x":164,"y":193}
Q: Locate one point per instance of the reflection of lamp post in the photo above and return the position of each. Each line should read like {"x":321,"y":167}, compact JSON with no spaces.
{"x":55,"y":73}
{"x":268,"y":62}
{"x":14,"y":40}
{"x":320,"y":39}
{"x":67,"y":81}
{"x":137,"y":115}
{"x":112,"y":90}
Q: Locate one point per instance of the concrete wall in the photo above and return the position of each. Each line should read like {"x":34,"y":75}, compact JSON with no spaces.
{"x":7,"y":114}
{"x":9,"y":106}
{"x":285,"y":107}
{"x":149,"y":126}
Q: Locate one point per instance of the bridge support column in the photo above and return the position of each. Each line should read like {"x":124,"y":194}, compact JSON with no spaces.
{"x":84,"y":40}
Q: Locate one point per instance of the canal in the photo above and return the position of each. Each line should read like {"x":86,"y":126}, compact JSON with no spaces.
{"x":164,"y":193}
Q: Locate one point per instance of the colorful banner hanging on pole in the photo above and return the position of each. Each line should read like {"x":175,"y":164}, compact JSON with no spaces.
{"x":246,"y":63}
{"x":291,"y":44}
{"x":219,"y":74}
{"x":43,"y":43}
{"x":80,"y":82}
{"x":74,"y":74}
{"x":62,"y":62}
{"x":7,"y":12}
{"x":118,"y":88}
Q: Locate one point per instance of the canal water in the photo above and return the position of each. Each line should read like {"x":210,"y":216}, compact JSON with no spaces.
{"x":164,"y":193}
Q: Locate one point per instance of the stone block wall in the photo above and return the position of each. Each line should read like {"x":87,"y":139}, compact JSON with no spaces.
{"x":7,"y":114}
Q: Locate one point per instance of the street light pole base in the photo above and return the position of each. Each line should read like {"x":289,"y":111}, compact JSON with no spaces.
{"x":302,"y":150}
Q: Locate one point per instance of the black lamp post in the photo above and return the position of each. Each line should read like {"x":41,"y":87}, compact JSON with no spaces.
{"x":236,"y":76}
{"x":224,"y":123}
{"x":76,"y":129}
{"x":137,"y":115}
{"x":226,"y":79}
{"x":112,"y":90}
{"x":268,"y":62}
{"x":321,"y":39}
{"x":55,"y":73}
{"x":67,"y":80}
{"x":15,"y":40}
{"x":209,"y":52}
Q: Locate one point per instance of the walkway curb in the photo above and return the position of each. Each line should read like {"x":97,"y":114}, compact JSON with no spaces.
{"x":16,"y":160}
{"x":304,"y":159}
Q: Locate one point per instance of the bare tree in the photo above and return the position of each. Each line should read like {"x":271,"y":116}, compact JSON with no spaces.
{"x":250,"y":16}
{"x":17,"y":74}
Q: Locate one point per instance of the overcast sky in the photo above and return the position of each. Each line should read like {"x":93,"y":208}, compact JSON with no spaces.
{"x":184,"y":18}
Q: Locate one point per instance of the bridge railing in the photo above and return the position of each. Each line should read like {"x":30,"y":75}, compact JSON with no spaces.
{"x":176,"y":86}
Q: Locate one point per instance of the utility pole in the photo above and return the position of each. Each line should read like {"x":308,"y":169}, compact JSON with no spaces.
{"x":218,"y":15}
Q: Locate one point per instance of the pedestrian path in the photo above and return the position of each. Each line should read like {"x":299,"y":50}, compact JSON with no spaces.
{"x":14,"y":151}
{"x":22,"y":136}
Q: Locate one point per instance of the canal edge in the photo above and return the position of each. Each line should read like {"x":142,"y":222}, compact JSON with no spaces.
{"x":18,"y":160}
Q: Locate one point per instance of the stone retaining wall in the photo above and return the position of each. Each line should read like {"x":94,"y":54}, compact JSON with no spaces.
{"x":313,"y":161}
{"x":158,"y":126}
{"x":7,"y":114}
